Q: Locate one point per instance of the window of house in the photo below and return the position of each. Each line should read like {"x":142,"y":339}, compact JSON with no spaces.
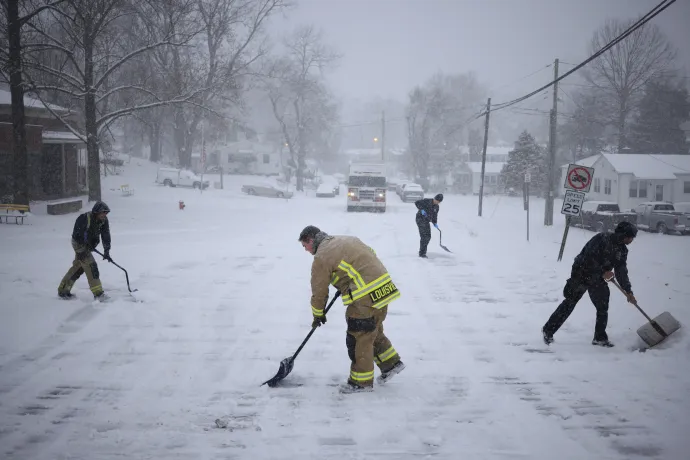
{"x":607,"y":186}
{"x":267,"y":158}
{"x":638,"y":189}
{"x":597,"y":185}
{"x":686,"y":186}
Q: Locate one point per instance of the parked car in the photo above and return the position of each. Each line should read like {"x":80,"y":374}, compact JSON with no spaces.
{"x":332,"y":183}
{"x":401,"y":185}
{"x":173,"y":177}
{"x":602,"y":216}
{"x":266,"y":190}
{"x":683,"y":207}
{"x":326,"y":191}
{"x":412,"y":192}
{"x":655,"y":216}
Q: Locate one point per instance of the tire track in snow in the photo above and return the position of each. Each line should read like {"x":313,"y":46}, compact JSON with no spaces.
{"x":16,"y":371}
{"x":178,"y":350}
{"x":466,"y":304}
{"x":585,"y":420}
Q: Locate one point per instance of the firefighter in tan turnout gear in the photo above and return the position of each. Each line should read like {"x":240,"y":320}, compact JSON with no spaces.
{"x":367,"y":289}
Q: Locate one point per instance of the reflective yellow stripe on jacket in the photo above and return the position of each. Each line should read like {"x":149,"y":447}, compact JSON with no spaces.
{"x":382,"y":291}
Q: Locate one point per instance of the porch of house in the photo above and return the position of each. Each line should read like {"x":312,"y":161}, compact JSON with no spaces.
{"x":59,"y":170}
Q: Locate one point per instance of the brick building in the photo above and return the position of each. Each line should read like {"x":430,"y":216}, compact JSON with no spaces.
{"x":56,"y":157}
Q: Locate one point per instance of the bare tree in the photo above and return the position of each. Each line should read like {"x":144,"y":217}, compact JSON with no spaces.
{"x":11,"y":59}
{"x":438,"y":114}
{"x":583,"y":132}
{"x":89,"y":63}
{"x":232,"y":43}
{"x":301,"y":102}
{"x":622,"y":72}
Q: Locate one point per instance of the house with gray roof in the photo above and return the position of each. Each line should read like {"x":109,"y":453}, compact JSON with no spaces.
{"x":630,"y":179}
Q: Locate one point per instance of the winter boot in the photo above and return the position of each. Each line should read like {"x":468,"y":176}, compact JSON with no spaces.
{"x":102,"y":297}
{"x":352,"y":387}
{"x":548,"y":338}
{"x":386,"y":376}
{"x":603,"y":343}
{"x":423,"y":256}
{"x":66,"y":295}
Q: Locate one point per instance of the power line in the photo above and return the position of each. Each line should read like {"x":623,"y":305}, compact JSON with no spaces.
{"x":523,"y":78}
{"x":643,"y":20}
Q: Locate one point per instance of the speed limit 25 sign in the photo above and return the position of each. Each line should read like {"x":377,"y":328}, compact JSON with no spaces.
{"x":572,"y":203}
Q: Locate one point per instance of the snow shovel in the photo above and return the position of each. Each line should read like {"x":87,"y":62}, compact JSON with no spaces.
{"x":287,"y":363}
{"x":440,"y":235}
{"x":657,"y":329}
{"x":112,"y":262}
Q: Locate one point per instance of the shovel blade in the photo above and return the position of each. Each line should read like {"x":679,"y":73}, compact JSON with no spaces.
{"x":656,"y":331}
{"x":446,"y":249}
{"x":285,"y":368}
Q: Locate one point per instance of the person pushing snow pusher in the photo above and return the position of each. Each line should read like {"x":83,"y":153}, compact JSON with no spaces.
{"x":428,"y":212}
{"x":89,"y":228}
{"x":604,"y":254}
{"x":367,"y":289}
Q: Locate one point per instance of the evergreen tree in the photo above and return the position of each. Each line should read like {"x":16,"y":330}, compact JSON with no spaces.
{"x":526,"y":156}
{"x":657,"y":127}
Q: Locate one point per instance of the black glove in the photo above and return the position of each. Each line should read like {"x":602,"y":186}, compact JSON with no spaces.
{"x":318,"y":321}
{"x":106,"y":255}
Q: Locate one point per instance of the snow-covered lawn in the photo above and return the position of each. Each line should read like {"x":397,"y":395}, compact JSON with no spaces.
{"x":225,"y":291}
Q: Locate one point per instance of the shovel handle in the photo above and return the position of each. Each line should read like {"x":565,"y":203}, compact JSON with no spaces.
{"x":304,"y":342}
{"x":636,"y":306}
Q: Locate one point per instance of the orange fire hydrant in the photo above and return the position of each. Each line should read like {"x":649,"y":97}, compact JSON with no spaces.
{"x":181,"y":204}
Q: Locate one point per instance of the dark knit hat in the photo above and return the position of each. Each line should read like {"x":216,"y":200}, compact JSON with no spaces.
{"x":439,"y":197}
{"x":309,"y":231}
{"x":626,"y":229}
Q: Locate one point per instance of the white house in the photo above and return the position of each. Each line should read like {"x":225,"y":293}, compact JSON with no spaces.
{"x":629,"y":179}
{"x":249,"y":157}
{"x":470,"y":177}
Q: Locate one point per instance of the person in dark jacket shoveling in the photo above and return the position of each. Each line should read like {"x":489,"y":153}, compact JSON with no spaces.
{"x":603,"y":257}
{"x":428,"y":212}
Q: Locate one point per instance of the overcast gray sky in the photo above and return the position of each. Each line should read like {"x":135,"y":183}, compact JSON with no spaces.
{"x":391,"y":45}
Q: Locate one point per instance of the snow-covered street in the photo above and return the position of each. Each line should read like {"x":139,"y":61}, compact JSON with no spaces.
{"x":224,"y":286}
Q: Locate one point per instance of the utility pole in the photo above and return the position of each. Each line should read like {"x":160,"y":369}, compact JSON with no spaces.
{"x":548,"y":204}
{"x":383,"y":136}
{"x":486,"y":140}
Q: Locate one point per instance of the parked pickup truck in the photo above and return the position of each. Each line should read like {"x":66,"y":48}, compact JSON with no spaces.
{"x":602,"y":216}
{"x":656,"y":216}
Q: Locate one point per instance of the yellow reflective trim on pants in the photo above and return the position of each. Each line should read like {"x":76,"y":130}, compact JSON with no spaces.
{"x":386,"y":301}
{"x":385,"y":356}
{"x":316,"y":311}
{"x":352,"y":273}
{"x":97,"y":288}
{"x":361,"y":376}
{"x":377,"y":283}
